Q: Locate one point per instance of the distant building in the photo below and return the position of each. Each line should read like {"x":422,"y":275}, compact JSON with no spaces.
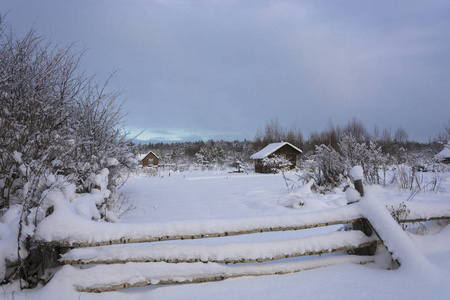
{"x":149,"y":160}
{"x":283,"y":149}
{"x":444,"y":155}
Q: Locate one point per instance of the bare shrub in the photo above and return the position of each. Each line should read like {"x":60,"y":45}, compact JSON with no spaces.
{"x":400,"y":214}
{"x":403,"y":177}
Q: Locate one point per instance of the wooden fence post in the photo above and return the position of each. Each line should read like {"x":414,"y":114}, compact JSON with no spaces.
{"x":40,"y":258}
{"x":359,"y":186}
{"x":364,"y":224}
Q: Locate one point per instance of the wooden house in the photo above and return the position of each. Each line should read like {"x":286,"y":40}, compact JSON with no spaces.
{"x":283,"y":149}
{"x":444,"y":155}
{"x":149,"y":160}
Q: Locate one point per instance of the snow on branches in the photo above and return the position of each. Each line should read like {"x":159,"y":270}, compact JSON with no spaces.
{"x":54,"y":121}
{"x":58,"y":127}
{"x":276,"y":163}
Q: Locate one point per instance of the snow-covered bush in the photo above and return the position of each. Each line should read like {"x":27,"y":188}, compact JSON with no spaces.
{"x":277,"y":163}
{"x":353,"y":153}
{"x":375,"y":163}
{"x":369,"y":156}
{"x":9,"y":229}
{"x":150,"y":172}
{"x":59,"y":130}
{"x":330,"y":167}
{"x":54,"y":121}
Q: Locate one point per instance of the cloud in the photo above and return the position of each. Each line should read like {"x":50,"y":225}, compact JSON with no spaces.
{"x":221,"y":69}
{"x":174,"y":134}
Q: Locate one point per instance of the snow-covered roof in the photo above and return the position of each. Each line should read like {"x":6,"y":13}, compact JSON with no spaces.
{"x":271,"y":148}
{"x":142,"y":156}
{"x":445,"y":153}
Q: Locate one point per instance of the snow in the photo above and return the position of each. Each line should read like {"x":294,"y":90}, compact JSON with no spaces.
{"x":357,"y":173}
{"x":85,"y":206}
{"x":352,"y":195}
{"x":394,"y":237}
{"x":445,"y":153}
{"x":9,"y":227}
{"x":112,"y":162}
{"x":54,"y":227}
{"x":17,"y":157}
{"x":226,"y":252}
{"x":215,"y":201}
{"x":101,"y":179}
{"x":269,"y":149}
{"x":159,"y":272}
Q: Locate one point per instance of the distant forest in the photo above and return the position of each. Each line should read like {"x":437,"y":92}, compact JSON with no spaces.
{"x":394,"y":143}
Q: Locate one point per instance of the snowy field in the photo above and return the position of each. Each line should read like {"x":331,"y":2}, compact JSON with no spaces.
{"x":219,"y":198}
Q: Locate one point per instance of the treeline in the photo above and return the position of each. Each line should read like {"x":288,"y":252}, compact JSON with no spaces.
{"x":396,"y":143}
{"x":209,"y":152}
{"x":388,"y":139}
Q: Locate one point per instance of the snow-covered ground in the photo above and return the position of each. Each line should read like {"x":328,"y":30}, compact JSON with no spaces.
{"x":218,"y":199}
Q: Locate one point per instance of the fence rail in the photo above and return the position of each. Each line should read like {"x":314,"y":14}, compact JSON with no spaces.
{"x":149,"y":239}
{"x":143,"y":258}
{"x":226,"y":253}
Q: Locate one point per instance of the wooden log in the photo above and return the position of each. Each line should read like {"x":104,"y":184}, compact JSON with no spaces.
{"x":225,"y":261}
{"x":130,"y":240}
{"x":363,"y":225}
{"x":416,"y":220}
{"x":359,"y":186}
{"x":274,"y":269}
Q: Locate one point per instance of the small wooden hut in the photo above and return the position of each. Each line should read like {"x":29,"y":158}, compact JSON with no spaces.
{"x":444,"y":155}
{"x":283,"y":149}
{"x":150,"y":160}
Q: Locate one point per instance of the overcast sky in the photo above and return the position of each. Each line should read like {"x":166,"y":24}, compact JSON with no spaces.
{"x":221,"y":69}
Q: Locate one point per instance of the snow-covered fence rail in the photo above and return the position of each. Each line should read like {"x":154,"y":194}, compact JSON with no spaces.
{"x":90,"y":233}
{"x":162,"y":263}
{"x":227,"y":253}
{"x":183,"y":263}
{"x":86,"y":233}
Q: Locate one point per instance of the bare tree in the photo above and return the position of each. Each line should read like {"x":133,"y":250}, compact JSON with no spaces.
{"x":273,"y":132}
{"x":259,"y":141}
{"x":294,"y":136}
{"x":401,"y":136}
{"x":447,"y":128}
{"x":376,"y":133}
{"x":386,"y":135}
{"x":332,"y":134}
{"x":357,"y":129}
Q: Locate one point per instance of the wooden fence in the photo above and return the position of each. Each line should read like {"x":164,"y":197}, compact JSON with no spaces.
{"x":84,"y":253}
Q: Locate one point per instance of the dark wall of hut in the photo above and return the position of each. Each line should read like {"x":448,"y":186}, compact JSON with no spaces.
{"x":150,"y":160}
